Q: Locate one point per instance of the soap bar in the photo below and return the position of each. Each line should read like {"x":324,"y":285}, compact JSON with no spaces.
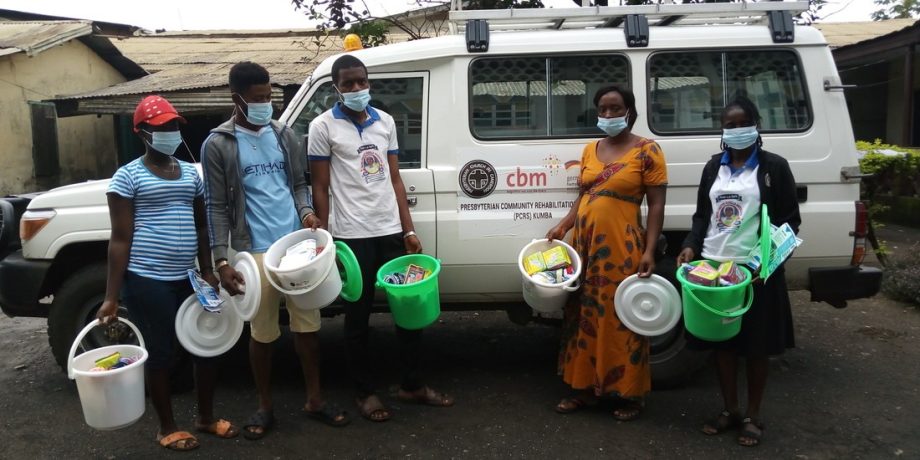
{"x":556,"y":257}
{"x":534,"y":263}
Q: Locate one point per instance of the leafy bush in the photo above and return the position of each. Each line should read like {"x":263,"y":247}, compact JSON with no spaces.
{"x":897,"y":175}
{"x":902,"y":278}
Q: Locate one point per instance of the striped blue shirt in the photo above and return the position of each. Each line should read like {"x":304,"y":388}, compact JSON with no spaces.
{"x":165,"y":242}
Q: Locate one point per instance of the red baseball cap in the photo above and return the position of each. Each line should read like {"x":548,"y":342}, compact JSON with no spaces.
{"x":155,"y":110}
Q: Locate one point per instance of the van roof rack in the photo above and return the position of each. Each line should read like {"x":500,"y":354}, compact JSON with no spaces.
{"x":659,"y":15}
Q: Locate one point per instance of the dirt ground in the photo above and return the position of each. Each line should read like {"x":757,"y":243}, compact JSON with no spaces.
{"x":850,"y":389}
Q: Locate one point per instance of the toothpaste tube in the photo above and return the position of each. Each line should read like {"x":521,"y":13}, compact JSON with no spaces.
{"x":207,"y":296}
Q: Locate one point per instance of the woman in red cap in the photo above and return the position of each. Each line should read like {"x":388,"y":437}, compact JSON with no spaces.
{"x":159,"y":228}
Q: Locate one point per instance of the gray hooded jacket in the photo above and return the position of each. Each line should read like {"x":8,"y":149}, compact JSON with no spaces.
{"x":223,"y":185}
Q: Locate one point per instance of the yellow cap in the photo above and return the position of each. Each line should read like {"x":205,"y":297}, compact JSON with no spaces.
{"x":352,"y":42}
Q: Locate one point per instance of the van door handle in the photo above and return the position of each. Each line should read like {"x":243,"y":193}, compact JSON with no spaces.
{"x":412,"y":200}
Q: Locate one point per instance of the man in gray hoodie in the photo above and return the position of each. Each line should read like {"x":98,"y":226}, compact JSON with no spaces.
{"x":256,"y":192}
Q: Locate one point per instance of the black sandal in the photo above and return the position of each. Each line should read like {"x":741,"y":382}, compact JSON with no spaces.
{"x":329,"y":414}
{"x":726,"y":420}
{"x":749,"y":434}
{"x":260,"y":419}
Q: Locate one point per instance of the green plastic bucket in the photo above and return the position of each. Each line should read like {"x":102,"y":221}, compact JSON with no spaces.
{"x":714,"y":313}
{"x":415,"y":305}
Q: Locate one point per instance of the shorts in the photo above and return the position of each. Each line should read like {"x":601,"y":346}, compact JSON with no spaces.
{"x":152,"y":307}
{"x":264,"y":326}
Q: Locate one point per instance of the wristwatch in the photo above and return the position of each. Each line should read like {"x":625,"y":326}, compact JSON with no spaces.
{"x":221,"y":264}
{"x":410,"y":233}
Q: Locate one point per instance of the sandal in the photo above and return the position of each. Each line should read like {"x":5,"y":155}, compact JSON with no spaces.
{"x":628,"y":412}
{"x":373,"y":409}
{"x":330,"y":414}
{"x":261,"y":419}
{"x":748,"y":437}
{"x":180,"y":441}
{"x":574,"y":404}
{"x":726,"y":420}
{"x":221,"y":428}
{"x":426,"y":396}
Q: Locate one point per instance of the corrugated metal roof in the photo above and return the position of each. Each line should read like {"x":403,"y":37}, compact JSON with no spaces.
{"x":33,"y":37}
{"x":191,"y":62}
{"x":840,"y":34}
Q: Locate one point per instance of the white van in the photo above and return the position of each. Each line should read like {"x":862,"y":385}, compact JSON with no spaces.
{"x":491,"y":140}
{"x":491,"y":129}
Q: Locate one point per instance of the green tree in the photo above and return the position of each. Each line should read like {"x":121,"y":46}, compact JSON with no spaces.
{"x":896,"y":9}
{"x":339,"y":14}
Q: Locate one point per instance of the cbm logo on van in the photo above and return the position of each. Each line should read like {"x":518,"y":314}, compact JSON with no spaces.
{"x":478,"y":179}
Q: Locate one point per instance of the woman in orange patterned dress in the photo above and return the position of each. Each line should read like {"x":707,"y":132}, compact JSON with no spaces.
{"x":601,"y":358}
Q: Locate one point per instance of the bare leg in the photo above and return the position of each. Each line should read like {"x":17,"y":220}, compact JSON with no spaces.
{"x":205,"y":382}
{"x":260,"y":358}
{"x":158,"y":383}
{"x":307,"y":346}
{"x":757,"y":370}
{"x":727,"y":368}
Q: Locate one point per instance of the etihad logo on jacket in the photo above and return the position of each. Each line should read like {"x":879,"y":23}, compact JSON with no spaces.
{"x":262,"y":169}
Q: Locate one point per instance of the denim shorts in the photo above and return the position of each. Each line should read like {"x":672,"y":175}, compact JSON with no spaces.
{"x":152,"y":306}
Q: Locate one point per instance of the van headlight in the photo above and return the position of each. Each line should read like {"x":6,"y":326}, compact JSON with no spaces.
{"x":33,"y":221}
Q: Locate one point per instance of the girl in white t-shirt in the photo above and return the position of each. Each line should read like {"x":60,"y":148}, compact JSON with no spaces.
{"x":725,"y":227}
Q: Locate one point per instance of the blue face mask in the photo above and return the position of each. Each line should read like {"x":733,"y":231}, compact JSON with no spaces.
{"x":740,"y":138}
{"x":165,"y":142}
{"x":357,"y":100}
{"x":259,"y":113}
{"x":613,"y":126}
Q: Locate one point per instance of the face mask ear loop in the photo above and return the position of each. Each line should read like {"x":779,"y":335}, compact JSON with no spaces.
{"x":190,"y":154}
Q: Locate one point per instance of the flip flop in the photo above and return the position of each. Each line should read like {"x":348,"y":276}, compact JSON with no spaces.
{"x":748,"y":434}
{"x":573,"y":404}
{"x":172,"y":441}
{"x":376,"y":413}
{"x":259,"y":419}
{"x":428,"y":397}
{"x":628,"y":412}
{"x":221,"y":428}
{"x":721,"y":423}
{"x":329,"y":414}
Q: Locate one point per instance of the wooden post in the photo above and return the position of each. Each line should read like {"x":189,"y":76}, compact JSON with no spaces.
{"x":907,"y":125}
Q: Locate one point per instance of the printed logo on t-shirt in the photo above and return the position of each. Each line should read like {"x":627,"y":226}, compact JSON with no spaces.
{"x":729,"y":212}
{"x":262,"y":169}
{"x":372,"y":169}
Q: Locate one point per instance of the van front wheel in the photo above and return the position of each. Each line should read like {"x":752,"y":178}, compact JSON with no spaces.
{"x":75,"y":304}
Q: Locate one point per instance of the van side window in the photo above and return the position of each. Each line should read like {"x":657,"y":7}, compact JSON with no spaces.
{"x":508,"y":96}
{"x":402,"y":98}
{"x":687,"y":90}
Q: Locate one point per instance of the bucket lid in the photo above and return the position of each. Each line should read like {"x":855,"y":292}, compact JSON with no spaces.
{"x":648,"y":306}
{"x":207,"y":334}
{"x":247,"y":303}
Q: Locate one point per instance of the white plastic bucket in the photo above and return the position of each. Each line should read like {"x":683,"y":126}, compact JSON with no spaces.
{"x":111,"y":399}
{"x":546,"y":297}
{"x":313,"y":285}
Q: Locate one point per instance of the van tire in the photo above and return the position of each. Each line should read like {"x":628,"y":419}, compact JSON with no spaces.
{"x":75,"y":304}
{"x":672,"y":367}
{"x":672,"y":362}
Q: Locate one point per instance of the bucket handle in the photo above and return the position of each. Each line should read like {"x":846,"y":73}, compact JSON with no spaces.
{"x":89,"y":327}
{"x":352,"y":281}
{"x":749,"y":293}
{"x":271,"y":280}
{"x":574,"y":287}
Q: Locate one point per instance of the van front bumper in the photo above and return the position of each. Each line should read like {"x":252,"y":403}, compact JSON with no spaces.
{"x":20,"y":284}
{"x":837,"y":285}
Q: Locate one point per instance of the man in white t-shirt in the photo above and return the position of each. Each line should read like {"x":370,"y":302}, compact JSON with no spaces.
{"x":354,"y":153}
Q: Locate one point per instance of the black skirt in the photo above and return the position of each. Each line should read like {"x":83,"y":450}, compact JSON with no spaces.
{"x":766,"y":329}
